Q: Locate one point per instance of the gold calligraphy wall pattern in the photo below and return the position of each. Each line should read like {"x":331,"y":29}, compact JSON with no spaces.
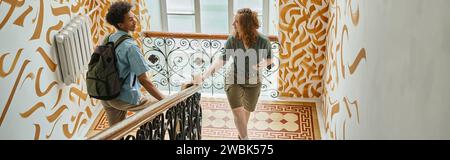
{"x":144,"y":16}
{"x":31,"y":94}
{"x":338,"y":109}
{"x":302,"y":34}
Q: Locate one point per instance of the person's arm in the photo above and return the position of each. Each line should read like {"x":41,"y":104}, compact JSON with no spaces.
{"x":263,"y":64}
{"x":139,"y":66}
{"x":214,"y":68}
{"x":219,"y":63}
{"x":148,"y":85}
{"x":267,"y":61}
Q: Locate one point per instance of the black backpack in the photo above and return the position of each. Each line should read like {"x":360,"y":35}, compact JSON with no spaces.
{"x":102,"y":79}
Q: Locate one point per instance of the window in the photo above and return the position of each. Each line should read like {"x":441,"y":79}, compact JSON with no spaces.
{"x":181,"y":15}
{"x":154,"y":7}
{"x":208,"y":16}
{"x":214,"y":16}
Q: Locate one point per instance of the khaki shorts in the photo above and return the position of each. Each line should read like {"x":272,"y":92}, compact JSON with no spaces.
{"x":243,"y":95}
{"x":116,"y":110}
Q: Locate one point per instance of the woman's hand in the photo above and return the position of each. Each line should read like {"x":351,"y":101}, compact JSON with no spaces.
{"x":263,"y":64}
{"x":197,"y":79}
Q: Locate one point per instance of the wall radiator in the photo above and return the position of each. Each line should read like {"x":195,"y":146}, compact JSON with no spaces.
{"x":74,"y":48}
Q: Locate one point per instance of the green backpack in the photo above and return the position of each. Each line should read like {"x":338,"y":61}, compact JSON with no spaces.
{"x":102,"y":78}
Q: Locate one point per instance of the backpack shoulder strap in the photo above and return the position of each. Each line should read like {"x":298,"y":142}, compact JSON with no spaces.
{"x":106,"y":40}
{"x":121,"y":39}
{"x":116,"y":44}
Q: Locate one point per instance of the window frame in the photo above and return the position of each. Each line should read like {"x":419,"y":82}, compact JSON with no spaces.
{"x":197,"y":14}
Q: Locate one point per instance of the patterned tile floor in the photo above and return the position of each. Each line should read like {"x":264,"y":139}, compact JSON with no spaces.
{"x":270,"y":121}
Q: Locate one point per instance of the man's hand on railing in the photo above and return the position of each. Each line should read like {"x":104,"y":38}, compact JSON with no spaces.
{"x":186,"y":86}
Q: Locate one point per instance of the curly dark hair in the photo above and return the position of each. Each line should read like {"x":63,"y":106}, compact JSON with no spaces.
{"x":249,"y":25}
{"x":117,"y":12}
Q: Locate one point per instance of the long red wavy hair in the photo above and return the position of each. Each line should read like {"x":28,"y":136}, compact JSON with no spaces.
{"x":248,"y":26}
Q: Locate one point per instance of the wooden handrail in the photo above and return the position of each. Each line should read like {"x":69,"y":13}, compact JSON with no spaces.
{"x":124,"y":127}
{"x":194,"y":35}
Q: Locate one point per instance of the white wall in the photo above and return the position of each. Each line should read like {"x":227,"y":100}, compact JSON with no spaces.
{"x":51,"y":118}
{"x":402,"y":87}
{"x":34,"y":103}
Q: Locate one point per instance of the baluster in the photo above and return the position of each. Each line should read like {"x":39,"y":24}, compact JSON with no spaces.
{"x":182,"y":122}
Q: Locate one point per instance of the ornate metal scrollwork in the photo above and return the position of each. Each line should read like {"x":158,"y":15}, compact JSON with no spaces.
{"x":173,"y":62}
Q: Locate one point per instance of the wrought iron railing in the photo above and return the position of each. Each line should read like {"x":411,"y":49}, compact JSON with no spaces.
{"x":175,"y":57}
{"x":179,"y":115}
{"x":181,"y":122}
